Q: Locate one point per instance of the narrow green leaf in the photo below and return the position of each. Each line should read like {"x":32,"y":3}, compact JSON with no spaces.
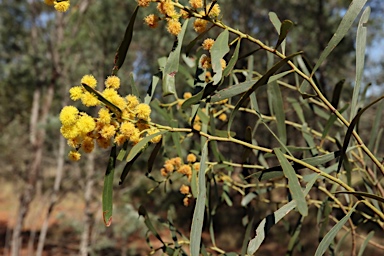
{"x":141,"y":145}
{"x":152,"y":88}
{"x":134,"y":89}
{"x":127,"y":168}
{"x":365,"y":243}
{"x":345,"y":24}
{"x":100,"y":97}
{"x":123,"y":48}
{"x":176,"y":137}
{"x":361,"y":41}
{"x":286,"y":26}
{"x":152,"y":157}
{"x":189,"y":47}
{"x":331,"y":121}
{"x":219,"y":49}
{"x":233,"y":60}
{"x":376,"y":126}
{"x":262,"y":81}
{"x":328,"y":238}
{"x":336,"y":93}
{"x":148,"y":223}
{"x":293,"y":183}
{"x":350,"y":130}
{"x":172,"y":65}
{"x":107,"y":197}
{"x":198,"y":214}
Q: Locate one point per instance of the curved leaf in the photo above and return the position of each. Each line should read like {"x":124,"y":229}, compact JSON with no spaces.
{"x":107,"y":197}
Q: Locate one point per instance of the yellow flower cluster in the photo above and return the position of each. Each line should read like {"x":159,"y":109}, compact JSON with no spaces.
{"x":82,"y":130}
{"x":167,"y":10}
{"x":59,"y":5}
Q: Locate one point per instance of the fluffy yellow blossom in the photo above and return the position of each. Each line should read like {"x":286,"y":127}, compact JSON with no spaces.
{"x":208,"y":76}
{"x":69,"y":132}
{"x":112,"y":96}
{"x":120,"y":139}
{"x":89,"y":80}
{"x":223,"y":117}
{"x":200,"y":25}
{"x":166,"y":7}
{"x":163,"y":172}
{"x":127,"y":129}
{"x":176,"y":161}
{"x":184,"y":189}
{"x":191,"y":158}
{"x":104,"y":116}
{"x":135,"y":138}
{"x":184,"y":14}
{"x":173,"y":27}
{"x":196,"y":3}
{"x":112,"y":82}
{"x":61,"y":6}
{"x":89,"y":100}
{"x":157,"y":138}
{"x":86,"y":124}
{"x":88,"y":144}
{"x":69,"y":115}
{"x":143,"y":111}
{"x":49,"y":2}
{"x":76,"y":92}
{"x":186,"y":201}
{"x":197,"y":126}
{"x":143,"y":3}
{"x":223,"y":64}
{"x":74,"y":156}
{"x":185,"y":169}
{"x":103,"y":142}
{"x":169,"y":167}
{"x":108,"y":131}
{"x":208,"y":43}
{"x":196,"y":166}
{"x":215,"y":11}
{"x":205,"y":62}
{"x":132,"y":100}
{"x":151,"y":20}
{"x":187,"y":95}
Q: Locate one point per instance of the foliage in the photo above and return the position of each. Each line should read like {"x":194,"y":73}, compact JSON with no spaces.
{"x":212,"y":139}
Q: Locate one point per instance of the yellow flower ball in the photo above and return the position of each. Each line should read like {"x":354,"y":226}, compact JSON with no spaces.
{"x":191,"y":158}
{"x":152,"y":20}
{"x":143,"y":3}
{"x":127,"y":129}
{"x":132,"y":100}
{"x":89,"y":80}
{"x":88,"y":144}
{"x":76,"y":92}
{"x":173,"y":27}
{"x":208,"y":43}
{"x":61,"y":6}
{"x":112,"y":82}
{"x":69,"y":132}
{"x":143,"y":111}
{"x":86,"y":124}
{"x":184,"y":189}
{"x":74,"y":156}
{"x":69,"y":115}
{"x":195,"y":4}
{"x":89,"y":100}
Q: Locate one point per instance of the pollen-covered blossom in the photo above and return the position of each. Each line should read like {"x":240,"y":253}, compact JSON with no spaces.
{"x":196,"y":3}
{"x":185,"y":169}
{"x":205,"y":62}
{"x":69,"y":115}
{"x":127,"y":129}
{"x":151,"y":20}
{"x":120,"y":139}
{"x":76,"y":92}
{"x":89,"y":100}
{"x":61,"y":6}
{"x":223,"y":117}
{"x":103,"y":142}
{"x":184,"y":189}
{"x":191,"y":158}
{"x":135,"y":138}
{"x":69,"y":132}
{"x":104,"y":116}
{"x":173,"y":27}
{"x":74,"y":156}
{"x":86,"y":124}
{"x":223,"y":64}
{"x":215,"y":11}
{"x":143,"y":3}
{"x":157,"y":138}
{"x":88,"y":144}
{"x":187,"y":95}
{"x":166,"y":7}
{"x":169,"y":167}
{"x":89,"y":80}
{"x":208,"y":43}
{"x":132,"y":100}
{"x":143,"y":111}
{"x":108,"y":131}
{"x":200,"y":25}
{"x":112,"y":82}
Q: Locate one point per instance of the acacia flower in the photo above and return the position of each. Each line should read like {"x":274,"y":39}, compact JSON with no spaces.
{"x":88,"y":144}
{"x":151,"y":20}
{"x":186,"y":201}
{"x":208,"y":43}
{"x":103,"y":142}
{"x":104,"y":116}
{"x":196,"y":3}
{"x":112,"y":82}
{"x":187,"y":95}
{"x":143,"y":3}
{"x":184,"y":189}
{"x":132,"y":100}
{"x":135,"y":138}
{"x":108,"y":131}
{"x":223,"y":117}
{"x":173,"y":27}
{"x":69,"y":132}
{"x":74,"y":156}
{"x":120,"y":139}
{"x":89,"y":80}
{"x":157,"y":138}
{"x":200,"y":25}
{"x":169,"y":167}
{"x":196,"y":166}
{"x":76,"y":92}
{"x":166,"y":7}
{"x":191,"y":158}
{"x":223,"y":64}
{"x":205,"y":62}
{"x":143,"y":111}
{"x":127,"y":129}
{"x":215,"y":11}
{"x":86,"y":124}
{"x":69,"y":115}
{"x":61,"y":6}
{"x":89,"y":100}
{"x":185,"y":169}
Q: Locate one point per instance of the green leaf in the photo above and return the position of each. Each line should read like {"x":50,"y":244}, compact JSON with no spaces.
{"x":233,"y":60}
{"x":152,"y":157}
{"x":336,"y":93}
{"x":123,"y":48}
{"x":361,"y":41}
{"x":331,"y":121}
{"x":365,"y":243}
{"x":350,"y":131}
{"x":148,"y":223}
{"x":107,"y":197}
{"x":345,"y":24}
{"x":198,"y":214}
{"x":100,"y":97}
{"x":140,"y":146}
{"x":152,"y":88}
{"x":127,"y":168}
{"x":328,"y":238}
{"x":219,"y":49}
{"x":362,"y":194}
{"x":176,"y":137}
{"x":262,"y":81}
{"x":189,"y":47}
{"x":293,"y":183}
{"x":172,"y":65}
{"x":134,"y":89}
